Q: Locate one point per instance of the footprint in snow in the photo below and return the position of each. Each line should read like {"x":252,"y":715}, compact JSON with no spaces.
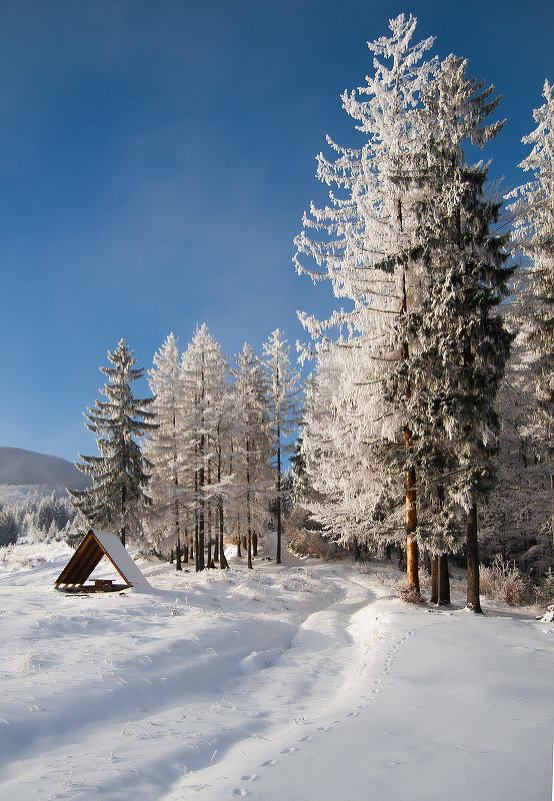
{"x":242,"y":791}
{"x":290,"y":750}
{"x":324,"y":728}
{"x":268,"y":763}
{"x":352,"y":714}
{"x":252,"y":778}
{"x":306,"y":739}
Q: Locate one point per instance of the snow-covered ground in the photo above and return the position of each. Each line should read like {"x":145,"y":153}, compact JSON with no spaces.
{"x":309,"y":681}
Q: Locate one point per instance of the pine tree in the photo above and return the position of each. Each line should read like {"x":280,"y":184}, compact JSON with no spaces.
{"x":164,"y":446}
{"x":282,"y":406}
{"x":205,"y":390}
{"x":461,"y":343}
{"x":117,"y":496}
{"x":516,"y":519}
{"x":251,"y":448}
{"x":534,"y":233}
{"x":359,"y":241}
{"x":8,"y":527}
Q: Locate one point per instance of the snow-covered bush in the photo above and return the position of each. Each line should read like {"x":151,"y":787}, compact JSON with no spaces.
{"x":303,"y":538}
{"x":502,"y":581}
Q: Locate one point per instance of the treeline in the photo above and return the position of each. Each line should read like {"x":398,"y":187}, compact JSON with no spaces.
{"x":199,"y":463}
{"x":38,"y":518}
{"x":429,"y":413}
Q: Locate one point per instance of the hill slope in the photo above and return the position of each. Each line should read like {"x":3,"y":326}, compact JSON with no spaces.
{"x":18,"y":466}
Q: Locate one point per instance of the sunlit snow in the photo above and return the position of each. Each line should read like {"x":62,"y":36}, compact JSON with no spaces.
{"x":306,"y":681}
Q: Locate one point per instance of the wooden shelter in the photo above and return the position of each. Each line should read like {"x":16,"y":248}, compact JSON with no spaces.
{"x":94,"y":547}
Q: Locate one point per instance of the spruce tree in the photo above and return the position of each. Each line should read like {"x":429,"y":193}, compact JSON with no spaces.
{"x":359,"y":241}
{"x":251,"y":447}
{"x":117,"y":497}
{"x":461,"y":344}
{"x":164,"y":447}
{"x":534,"y":233}
{"x":205,"y":391}
{"x":282,"y":406}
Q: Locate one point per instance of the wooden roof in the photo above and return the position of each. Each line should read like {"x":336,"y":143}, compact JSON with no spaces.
{"x":92,"y":549}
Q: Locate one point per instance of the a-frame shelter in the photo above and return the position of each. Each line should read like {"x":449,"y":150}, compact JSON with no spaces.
{"x":93,"y":548}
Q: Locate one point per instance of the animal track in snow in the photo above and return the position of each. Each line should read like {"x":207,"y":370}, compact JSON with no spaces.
{"x":306,"y":739}
{"x":290,"y":750}
{"x":268,"y":763}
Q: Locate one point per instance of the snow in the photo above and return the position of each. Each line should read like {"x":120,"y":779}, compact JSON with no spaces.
{"x":308,"y":680}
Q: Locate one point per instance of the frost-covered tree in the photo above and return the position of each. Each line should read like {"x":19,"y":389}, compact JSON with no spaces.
{"x":515,"y":522}
{"x":460,"y":342}
{"x":534,"y":233}
{"x":341,"y":451}
{"x":164,"y":447}
{"x":251,"y":447}
{"x":205,"y":391}
{"x":117,"y":496}
{"x":282,"y":407}
{"x":8,"y":527}
{"x":359,"y":240}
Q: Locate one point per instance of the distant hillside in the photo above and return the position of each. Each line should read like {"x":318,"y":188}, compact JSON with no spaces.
{"x":18,"y":466}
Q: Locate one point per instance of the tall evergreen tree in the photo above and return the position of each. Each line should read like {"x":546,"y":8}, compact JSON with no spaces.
{"x":360,"y":239}
{"x":282,"y":406}
{"x":251,"y":450}
{"x":205,"y":388}
{"x":460,"y":342}
{"x":117,"y":496}
{"x":534,"y":233}
{"x":164,"y":447}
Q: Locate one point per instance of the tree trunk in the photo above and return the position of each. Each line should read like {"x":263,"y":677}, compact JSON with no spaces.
{"x":552,"y":495}
{"x":279,"y":523}
{"x":412,"y":550}
{"x":186,"y":548}
{"x":357,"y":555}
{"x":178,"y":565}
{"x":473,"y":601}
{"x":171,"y":557}
{"x":434,"y":579}
{"x":223,"y":564}
{"x":201,"y":527}
{"x":444,"y":580}
{"x":122,"y":533}
{"x":254,"y":544}
{"x":238,"y":540}
{"x":249,"y":540}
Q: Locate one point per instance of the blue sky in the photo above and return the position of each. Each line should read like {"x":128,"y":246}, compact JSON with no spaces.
{"x":157,"y":157}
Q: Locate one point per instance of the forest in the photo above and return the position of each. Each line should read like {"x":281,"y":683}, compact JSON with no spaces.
{"x":424,"y":429}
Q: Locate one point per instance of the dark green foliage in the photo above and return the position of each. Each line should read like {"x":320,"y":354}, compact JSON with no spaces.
{"x":8,"y":528}
{"x":117,"y":496}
